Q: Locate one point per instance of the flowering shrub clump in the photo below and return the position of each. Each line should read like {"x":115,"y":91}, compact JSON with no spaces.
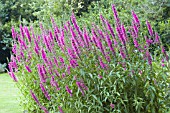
{"x":105,"y":69}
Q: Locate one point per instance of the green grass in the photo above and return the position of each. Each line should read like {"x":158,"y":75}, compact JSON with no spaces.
{"x":8,"y":95}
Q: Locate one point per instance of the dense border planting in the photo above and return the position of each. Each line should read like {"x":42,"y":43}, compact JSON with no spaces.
{"x":104,"y":69}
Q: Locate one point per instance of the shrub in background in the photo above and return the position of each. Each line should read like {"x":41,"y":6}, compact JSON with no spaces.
{"x":73,"y":69}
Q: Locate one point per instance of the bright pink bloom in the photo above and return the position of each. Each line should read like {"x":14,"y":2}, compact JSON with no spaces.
{"x":44,"y":91}
{"x":135,"y":18}
{"x":13,"y":76}
{"x":115,"y":14}
{"x":13,"y":32}
{"x":44,"y":109}
{"x":68,"y":90}
{"x":28,"y":68}
{"x":34,"y":97}
{"x":149,"y":28}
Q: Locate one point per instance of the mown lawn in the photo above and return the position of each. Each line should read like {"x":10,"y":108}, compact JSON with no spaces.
{"x":8,"y":95}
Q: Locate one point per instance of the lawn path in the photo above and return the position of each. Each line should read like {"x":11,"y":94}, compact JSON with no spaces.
{"x":8,"y":95}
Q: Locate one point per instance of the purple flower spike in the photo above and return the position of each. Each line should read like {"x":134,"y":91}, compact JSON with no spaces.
{"x":157,"y":38}
{"x":110,"y":29}
{"x":44,"y":109}
{"x":135,"y":18}
{"x":13,"y":32}
{"x":36,"y":50}
{"x":34,"y":97}
{"x":68,"y":69}
{"x":149,"y":57}
{"x":109,"y":43}
{"x":102,"y":63}
{"x":86,"y":37}
{"x":41,"y":73}
{"x":71,"y":53}
{"x":13,"y":76}
{"x":44,"y":91}
{"x":44,"y":56}
{"x":60,"y":109}
{"x":46,"y":41}
{"x":115,"y":14}
{"x":56,"y":62}
{"x":54,"y":83}
{"x":75,"y":47}
{"x":123,"y":55}
{"x":22,"y":31}
{"x":14,"y":49}
{"x":28,"y":68}
{"x":149,"y":28}
{"x":73,"y":18}
{"x":27,"y":33}
{"x":69,"y":91}
{"x":73,"y":63}
{"x":124,"y":33}
{"x":80,"y":88}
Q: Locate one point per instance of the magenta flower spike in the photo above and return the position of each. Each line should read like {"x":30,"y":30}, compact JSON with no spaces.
{"x":13,"y":76}
{"x":123,"y":55}
{"x":71,"y":53}
{"x":86,"y":37}
{"x":34,"y":97}
{"x":119,"y":33}
{"x":80,"y":88}
{"x":74,"y":36}
{"x":75,"y":47}
{"x":22,"y":32}
{"x":101,"y":63}
{"x":69,"y":91}
{"x":115,"y":14}
{"x":44,"y":91}
{"x":135,"y":18}
{"x":41,"y":73}
{"x":110,"y":29}
{"x":73,"y":63}
{"x":44,"y":56}
{"x":157,"y":38}
{"x":124,"y":33}
{"x":149,"y":28}
{"x":14,"y":49}
{"x":27,"y":33}
{"x":74,"y":21}
{"x":60,"y":109}
{"x":14,"y":34}
{"x":103,"y":21}
{"x":53,"y":22}
{"x":62,"y":38}
{"x":54,"y":83}
{"x":149,"y":57}
{"x":36,"y":44}
{"x":68,"y":69}
{"x":44,"y":109}
{"x":136,"y":44}
{"x":136,"y":30}
{"x":28,"y":68}
{"x":56,"y":62}
{"x":36,"y":50}
{"x":47,"y":43}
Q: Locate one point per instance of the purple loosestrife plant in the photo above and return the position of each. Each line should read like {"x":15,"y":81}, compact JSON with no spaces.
{"x":66,"y":69}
